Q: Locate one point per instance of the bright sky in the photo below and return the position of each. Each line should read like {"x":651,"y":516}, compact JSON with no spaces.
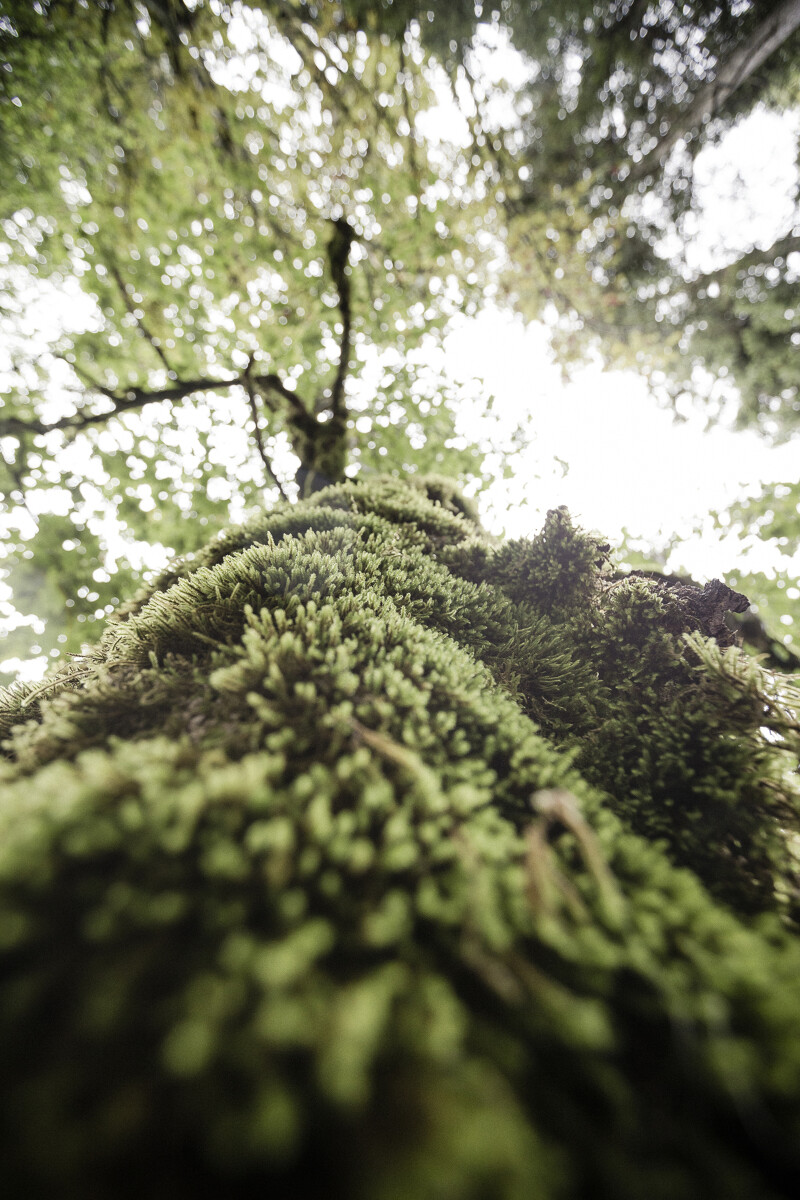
{"x":630,"y":465}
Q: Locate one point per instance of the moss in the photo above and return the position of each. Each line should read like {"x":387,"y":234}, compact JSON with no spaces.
{"x":364,"y":855}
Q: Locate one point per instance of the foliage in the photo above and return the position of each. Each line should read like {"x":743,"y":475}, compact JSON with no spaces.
{"x":246,"y":203}
{"x":261,"y":226}
{"x":297,"y":895}
{"x":215,"y":164}
{"x":770,"y":514}
{"x":604,"y":218}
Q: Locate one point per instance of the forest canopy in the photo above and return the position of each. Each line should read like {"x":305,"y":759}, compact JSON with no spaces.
{"x":233,"y":234}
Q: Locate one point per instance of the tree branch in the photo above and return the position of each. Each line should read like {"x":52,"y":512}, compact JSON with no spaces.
{"x":734,"y":611}
{"x":311,"y":439}
{"x":409,"y":116}
{"x":338,"y":257}
{"x":300,"y":416}
{"x":262,"y":451}
{"x":133,"y":399}
{"x":765,"y":39}
{"x":308,"y":47}
{"x":143,"y":329}
{"x":778,"y":656}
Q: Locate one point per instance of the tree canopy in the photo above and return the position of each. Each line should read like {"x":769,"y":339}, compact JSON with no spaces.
{"x":231,"y":234}
{"x":604,"y":219}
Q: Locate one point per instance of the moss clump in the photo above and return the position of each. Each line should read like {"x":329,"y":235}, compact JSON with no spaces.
{"x":363,"y":855}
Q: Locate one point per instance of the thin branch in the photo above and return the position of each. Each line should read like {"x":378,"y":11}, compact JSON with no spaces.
{"x":473,"y":122}
{"x":262,"y":451}
{"x":409,"y":116}
{"x":307,"y":432}
{"x":477,"y":122}
{"x":143,"y":329}
{"x":133,"y":399}
{"x":309,"y":437}
{"x":303,"y":45}
{"x":310,"y":48}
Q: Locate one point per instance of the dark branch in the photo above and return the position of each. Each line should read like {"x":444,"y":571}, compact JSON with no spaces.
{"x":725,"y":607}
{"x":778,"y":656}
{"x":262,"y":451}
{"x":291,"y":25}
{"x":320,"y":445}
{"x":338,"y":257}
{"x":299,"y":415}
{"x":311,"y":439}
{"x":409,"y":116}
{"x":133,"y":399}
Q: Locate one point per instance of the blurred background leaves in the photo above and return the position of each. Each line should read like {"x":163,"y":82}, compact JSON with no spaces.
{"x":177,"y":173}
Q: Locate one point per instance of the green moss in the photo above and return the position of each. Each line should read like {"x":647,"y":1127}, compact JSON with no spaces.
{"x":365,"y":856}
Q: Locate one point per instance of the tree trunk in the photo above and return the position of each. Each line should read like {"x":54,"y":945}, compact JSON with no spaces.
{"x":365,"y":858}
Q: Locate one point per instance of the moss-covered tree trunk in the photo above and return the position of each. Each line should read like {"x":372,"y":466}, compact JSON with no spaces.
{"x":366,"y":859}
